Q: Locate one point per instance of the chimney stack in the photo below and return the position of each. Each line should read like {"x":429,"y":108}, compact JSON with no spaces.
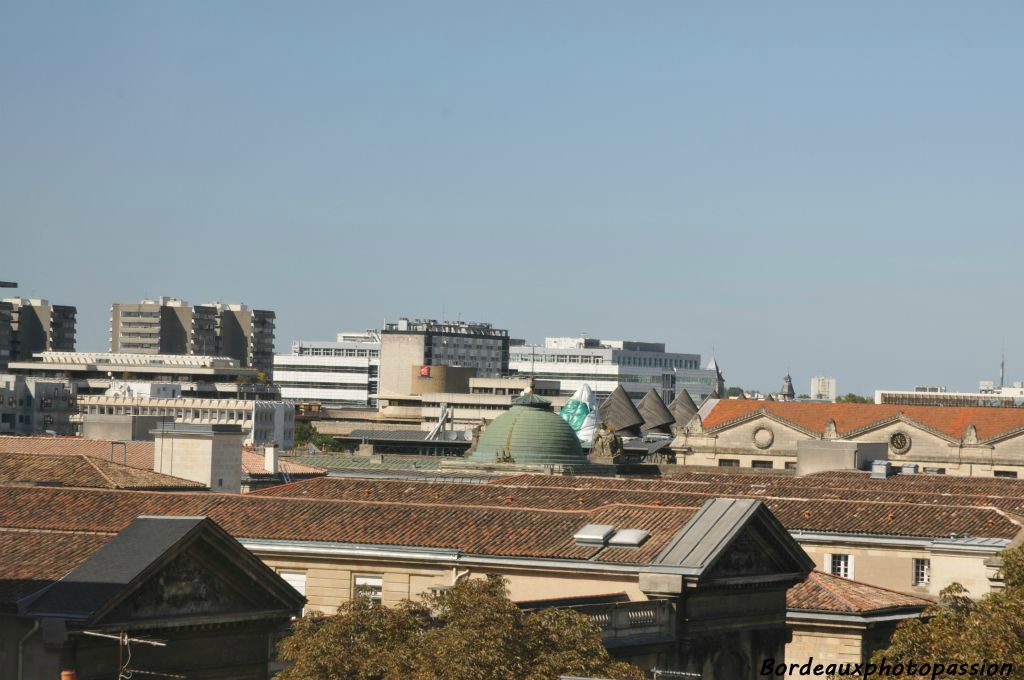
{"x":270,"y":462}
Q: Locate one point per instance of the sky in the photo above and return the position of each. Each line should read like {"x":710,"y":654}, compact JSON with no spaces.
{"x":824,"y":188}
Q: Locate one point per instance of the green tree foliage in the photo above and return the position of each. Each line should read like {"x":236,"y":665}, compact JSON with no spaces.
{"x":964,"y":631}
{"x":307,"y":434}
{"x":854,"y":399}
{"x":469,"y":632}
{"x":733,"y":391}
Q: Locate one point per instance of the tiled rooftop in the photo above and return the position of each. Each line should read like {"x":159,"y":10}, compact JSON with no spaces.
{"x":82,"y":471}
{"x":475,"y":530}
{"x":950,"y":421}
{"x":822,"y":592}
{"x":135,"y":454}
{"x":931,"y":516}
{"x":34,"y":559}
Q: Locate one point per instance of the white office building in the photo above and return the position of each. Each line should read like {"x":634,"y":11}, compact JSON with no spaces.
{"x":823,"y":387}
{"x":604,"y":364}
{"x":332,"y":374}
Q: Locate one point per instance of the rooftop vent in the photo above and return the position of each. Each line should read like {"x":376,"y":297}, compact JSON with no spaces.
{"x":629,"y":538}
{"x":594,"y":534}
{"x":909,"y":469}
{"x":880,"y":469}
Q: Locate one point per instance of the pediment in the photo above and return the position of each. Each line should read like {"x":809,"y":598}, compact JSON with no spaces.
{"x":190,"y":584}
{"x":750,"y":554}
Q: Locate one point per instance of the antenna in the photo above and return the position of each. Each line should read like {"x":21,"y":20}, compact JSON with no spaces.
{"x":1002,"y":364}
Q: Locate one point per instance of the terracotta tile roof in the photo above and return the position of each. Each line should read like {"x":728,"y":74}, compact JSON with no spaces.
{"x":475,"y":530}
{"x":804,"y":509}
{"x":253,"y":466}
{"x":139,"y":454}
{"x":951,"y":421}
{"x":83,"y":471}
{"x":823,"y":592}
{"x":34,"y":559}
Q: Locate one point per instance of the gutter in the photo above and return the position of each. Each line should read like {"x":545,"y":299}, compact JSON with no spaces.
{"x":803,"y":615}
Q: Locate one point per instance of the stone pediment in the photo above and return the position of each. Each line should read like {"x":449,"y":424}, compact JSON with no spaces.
{"x":750,"y":553}
{"x":190,"y":584}
{"x":734,"y":540}
{"x":167,"y":569}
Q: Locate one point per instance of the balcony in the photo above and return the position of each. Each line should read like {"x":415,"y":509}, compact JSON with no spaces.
{"x":631,"y":624}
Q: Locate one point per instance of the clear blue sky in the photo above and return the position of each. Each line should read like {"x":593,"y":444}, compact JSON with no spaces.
{"x":829,"y":187}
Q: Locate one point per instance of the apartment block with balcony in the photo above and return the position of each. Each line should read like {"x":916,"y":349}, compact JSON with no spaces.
{"x":28,"y":326}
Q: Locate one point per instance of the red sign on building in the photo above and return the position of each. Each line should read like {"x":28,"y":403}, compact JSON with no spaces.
{"x":424,"y":371}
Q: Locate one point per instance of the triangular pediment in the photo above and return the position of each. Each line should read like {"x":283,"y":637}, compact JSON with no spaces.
{"x":193,"y":583}
{"x":735,"y":540}
{"x":167,"y":568}
{"x":750,"y":553}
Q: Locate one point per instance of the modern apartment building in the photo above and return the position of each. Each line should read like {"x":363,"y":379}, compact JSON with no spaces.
{"x":172,"y":326}
{"x":36,"y":405}
{"x":163,"y":326}
{"x":823,"y":387}
{"x":28,"y":326}
{"x":605,"y":364}
{"x":246,"y":335}
{"x":333,"y":374}
{"x":426,"y":342}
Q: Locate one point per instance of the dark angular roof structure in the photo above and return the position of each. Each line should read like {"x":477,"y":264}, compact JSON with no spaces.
{"x":657,"y":417}
{"x":618,"y":411}
{"x":682,"y":408}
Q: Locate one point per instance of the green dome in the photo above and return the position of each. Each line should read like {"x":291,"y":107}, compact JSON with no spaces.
{"x":529,"y":434}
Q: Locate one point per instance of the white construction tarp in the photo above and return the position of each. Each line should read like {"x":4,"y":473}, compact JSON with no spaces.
{"x":581,"y":414}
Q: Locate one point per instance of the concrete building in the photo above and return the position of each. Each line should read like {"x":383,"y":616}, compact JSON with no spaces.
{"x":605,"y":364}
{"x":163,"y":326}
{"x":171,"y":326}
{"x":332,"y":374}
{"x":823,"y":388}
{"x":28,"y":326}
{"x":36,"y":405}
{"x":197,"y":376}
{"x":425,"y":342}
{"x":120,"y":417}
{"x":246,"y":335}
{"x":988,"y":394}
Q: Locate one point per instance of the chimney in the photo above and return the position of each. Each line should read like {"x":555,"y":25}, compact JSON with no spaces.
{"x":208,"y":454}
{"x":270,"y":462}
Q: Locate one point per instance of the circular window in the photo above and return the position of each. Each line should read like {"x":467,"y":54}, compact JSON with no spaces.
{"x":763,"y":437}
{"x":899,"y":442}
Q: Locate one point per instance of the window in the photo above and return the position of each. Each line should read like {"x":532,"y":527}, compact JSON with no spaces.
{"x":373,"y":586}
{"x":934,"y":471}
{"x":1009,"y":474}
{"x":728,"y":462}
{"x":790,"y":466}
{"x":922,"y":572}
{"x":297,"y":580}
{"x":839,"y":565}
{"x":761,"y":464}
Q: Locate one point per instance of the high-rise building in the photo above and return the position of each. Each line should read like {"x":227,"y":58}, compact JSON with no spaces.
{"x":606,"y":364}
{"x":332,"y":374}
{"x":163,"y":326}
{"x":172,"y":326}
{"x":245,"y":334}
{"x":426,"y":342}
{"x":823,"y":387}
{"x":28,"y":326}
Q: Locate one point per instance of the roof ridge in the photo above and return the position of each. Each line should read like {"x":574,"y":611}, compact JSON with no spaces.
{"x":96,"y":467}
{"x":835,"y":596}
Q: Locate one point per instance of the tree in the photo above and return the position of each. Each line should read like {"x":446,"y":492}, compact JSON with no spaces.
{"x":853,"y":399}
{"x":733,"y":391}
{"x":471,"y":631}
{"x":307,"y":434}
{"x":959,"y":630}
